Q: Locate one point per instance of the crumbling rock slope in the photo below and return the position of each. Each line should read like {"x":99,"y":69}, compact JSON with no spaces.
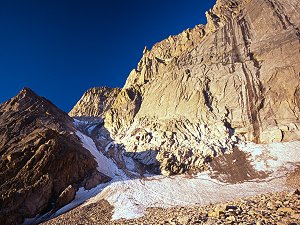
{"x":42,"y":161}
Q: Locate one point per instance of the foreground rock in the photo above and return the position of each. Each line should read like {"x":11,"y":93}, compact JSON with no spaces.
{"x":42,"y":161}
{"x":96,"y":213}
{"x":197,"y":94}
{"x":276,"y":208}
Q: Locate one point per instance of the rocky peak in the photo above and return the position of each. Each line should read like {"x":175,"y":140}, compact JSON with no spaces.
{"x":42,"y":161}
{"x":222,"y":12}
{"x":163,"y":55}
{"x":29,"y":95}
{"x":36,"y":109}
{"x":166,"y":51}
{"x":210,"y":87}
{"x":26,"y":96}
{"x":28,"y":91}
{"x":197,"y":94}
{"x":95,"y":102}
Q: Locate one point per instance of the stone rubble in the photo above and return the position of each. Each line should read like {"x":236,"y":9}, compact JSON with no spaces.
{"x":270,"y":208}
{"x":277,"y":208}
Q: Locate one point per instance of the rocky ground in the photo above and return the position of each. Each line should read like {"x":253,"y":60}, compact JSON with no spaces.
{"x":279,"y":208}
{"x":271,"y":208}
{"x":97,"y":213}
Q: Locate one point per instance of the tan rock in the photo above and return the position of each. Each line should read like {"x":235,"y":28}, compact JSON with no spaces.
{"x":216,"y":213}
{"x":231,"y":218}
{"x":183,"y":219}
{"x":285,"y":210}
{"x":215,"y":85}
{"x":95,"y":102}
{"x":241,"y":82}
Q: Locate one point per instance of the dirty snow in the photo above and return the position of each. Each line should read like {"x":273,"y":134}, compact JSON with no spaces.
{"x":274,"y":157}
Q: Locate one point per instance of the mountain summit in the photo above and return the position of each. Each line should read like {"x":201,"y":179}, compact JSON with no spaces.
{"x":42,"y":160}
{"x":198,"y":94}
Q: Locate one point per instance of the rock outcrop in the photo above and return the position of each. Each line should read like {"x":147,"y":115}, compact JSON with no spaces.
{"x":197,"y":94}
{"x":42,"y":160}
{"x":95,"y":102}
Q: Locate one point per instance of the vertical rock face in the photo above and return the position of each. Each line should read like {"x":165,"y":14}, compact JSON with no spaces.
{"x":95,"y":102}
{"x":40,"y":157}
{"x":197,"y":94}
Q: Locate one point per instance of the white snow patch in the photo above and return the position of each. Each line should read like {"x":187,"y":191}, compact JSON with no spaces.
{"x":91,"y":128}
{"x":108,"y":146}
{"x":130,"y":164}
{"x":80,"y":122}
{"x":274,"y":157}
{"x":131,"y":198}
{"x":105,"y":165}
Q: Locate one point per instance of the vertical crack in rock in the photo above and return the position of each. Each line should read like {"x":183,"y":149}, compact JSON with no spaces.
{"x":208,"y":95}
{"x":252,"y":110}
{"x":253,"y":96}
{"x":279,"y":13}
{"x":283,"y":17}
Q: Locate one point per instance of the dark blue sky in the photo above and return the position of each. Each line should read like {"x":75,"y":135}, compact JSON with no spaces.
{"x":60,"y":48}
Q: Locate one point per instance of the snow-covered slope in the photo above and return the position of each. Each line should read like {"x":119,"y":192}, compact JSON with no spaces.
{"x":131,"y":197}
{"x":275,"y":158}
{"x":105,"y":165}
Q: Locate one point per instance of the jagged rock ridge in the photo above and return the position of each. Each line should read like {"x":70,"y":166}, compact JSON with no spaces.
{"x":197,"y":94}
{"x":95,"y":102}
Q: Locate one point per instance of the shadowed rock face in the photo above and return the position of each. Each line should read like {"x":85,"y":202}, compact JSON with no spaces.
{"x":40,"y":157}
{"x":197,"y":94}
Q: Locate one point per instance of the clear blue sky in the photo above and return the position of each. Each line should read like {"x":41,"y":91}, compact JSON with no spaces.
{"x":60,"y":48}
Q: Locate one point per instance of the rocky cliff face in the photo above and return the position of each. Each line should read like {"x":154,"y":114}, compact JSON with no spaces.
{"x":95,"y":102}
{"x":42,"y":161}
{"x":197,"y":94}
